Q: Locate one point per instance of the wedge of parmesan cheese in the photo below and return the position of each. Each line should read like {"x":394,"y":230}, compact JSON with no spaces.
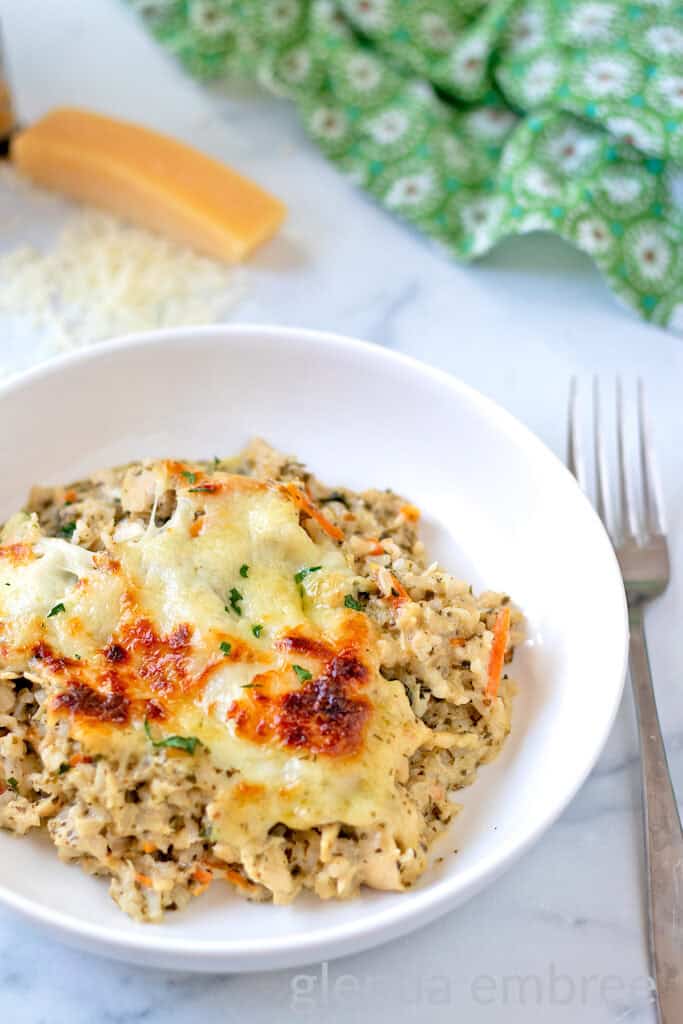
{"x":149,"y":179}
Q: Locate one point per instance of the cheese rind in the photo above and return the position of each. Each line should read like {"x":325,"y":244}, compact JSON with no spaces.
{"x":149,"y":179}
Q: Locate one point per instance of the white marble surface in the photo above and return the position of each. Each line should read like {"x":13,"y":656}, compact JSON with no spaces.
{"x":561,"y":937}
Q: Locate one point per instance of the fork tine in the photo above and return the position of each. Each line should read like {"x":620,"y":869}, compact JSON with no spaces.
{"x":652,"y":495}
{"x":628,"y":525}
{"x":574,"y":452}
{"x":603,"y":498}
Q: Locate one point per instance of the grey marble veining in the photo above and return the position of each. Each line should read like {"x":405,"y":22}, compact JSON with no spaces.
{"x":561,"y":937}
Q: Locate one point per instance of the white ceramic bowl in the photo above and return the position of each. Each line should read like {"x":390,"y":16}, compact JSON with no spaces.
{"x":499,"y":510}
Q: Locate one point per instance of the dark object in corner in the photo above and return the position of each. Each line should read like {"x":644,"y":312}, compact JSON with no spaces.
{"x":7,"y":124}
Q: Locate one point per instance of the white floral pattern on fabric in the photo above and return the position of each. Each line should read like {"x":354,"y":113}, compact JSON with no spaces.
{"x":329,"y":124}
{"x":635,"y":133}
{"x":369,"y":15}
{"x":572,"y":149}
{"x":669,"y":88}
{"x":541,"y":79}
{"x":609,"y":76}
{"x":412,"y":190}
{"x":665,"y":40}
{"x":481,"y":218}
{"x":593,"y":236}
{"x":477,"y":119}
{"x":469,"y":62}
{"x":490,"y":123}
{"x":540,"y":184}
{"x":388,"y":127}
{"x":527,"y":31}
{"x":624,"y":191}
{"x":436,"y":32}
{"x":282,"y":14}
{"x":364,"y":73}
{"x":591,"y":22}
{"x":208,"y":19}
{"x":650,"y":255}
{"x":296,"y":65}
{"x":621,"y":189}
{"x":462,"y":159}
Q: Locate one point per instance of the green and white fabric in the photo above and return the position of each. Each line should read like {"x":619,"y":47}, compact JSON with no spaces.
{"x":474,"y":120}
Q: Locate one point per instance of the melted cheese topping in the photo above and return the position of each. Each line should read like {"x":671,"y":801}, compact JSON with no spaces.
{"x":160,"y":628}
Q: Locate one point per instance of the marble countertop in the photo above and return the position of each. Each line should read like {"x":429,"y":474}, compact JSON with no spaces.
{"x":561,"y":937}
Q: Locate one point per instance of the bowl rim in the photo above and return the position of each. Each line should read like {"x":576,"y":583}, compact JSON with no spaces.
{"x":421,"y":905}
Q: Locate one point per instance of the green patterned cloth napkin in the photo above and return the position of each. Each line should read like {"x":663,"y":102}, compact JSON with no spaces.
{"x":474,"y":120}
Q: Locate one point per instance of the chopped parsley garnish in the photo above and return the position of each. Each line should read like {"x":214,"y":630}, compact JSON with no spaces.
{"x":202,"y":489}
{"x":251,"y":686}
{"x":56,"y":610}
{"x":334,"y":496}
{"x":226,"y":647}
{"x":68,"y":529}
{"x":257,"y":630}
{"x":13,"y":784}
{"x":350,"y":602}
{"x":192,"y":477}
{"x":303,"y":573}
{"x":235,"y":598}
{"x":187,"y":743}
{"x":77,"y":657}
{"x":63,"y":768}
{"x":244,"y":571}
{"x":302,"y":673}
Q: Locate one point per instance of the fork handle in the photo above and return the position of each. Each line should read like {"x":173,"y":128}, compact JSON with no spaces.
{"x":663,"y":837}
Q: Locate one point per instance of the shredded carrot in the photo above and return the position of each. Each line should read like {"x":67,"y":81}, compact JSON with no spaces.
{"x":70,"y":495}
{"x":239,"y":880}
{"x":377,"y":549}
{"x":400,"y":595}
{"x":458,"y":641}
{"x":143,"y":880}
{"x":202,"y":876}
{"x":79,"y":759}
{"x":148,"y":847}
{"x":306,"y":505}
{"x":205,"y":878}
{"x":196,"y":526}
{"x":410,"y":512}
{"x":501,"y":633}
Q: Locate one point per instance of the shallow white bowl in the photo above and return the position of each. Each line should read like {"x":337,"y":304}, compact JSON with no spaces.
{"x":499,"y":510}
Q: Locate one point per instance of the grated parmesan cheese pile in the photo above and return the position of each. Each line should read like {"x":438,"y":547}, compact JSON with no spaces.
{"x":101,"y":278}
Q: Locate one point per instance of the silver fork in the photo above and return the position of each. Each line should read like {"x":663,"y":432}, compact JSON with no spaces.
{"x":641,"y":547}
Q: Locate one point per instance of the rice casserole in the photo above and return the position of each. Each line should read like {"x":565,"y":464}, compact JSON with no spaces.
{"x":226,"y":670}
